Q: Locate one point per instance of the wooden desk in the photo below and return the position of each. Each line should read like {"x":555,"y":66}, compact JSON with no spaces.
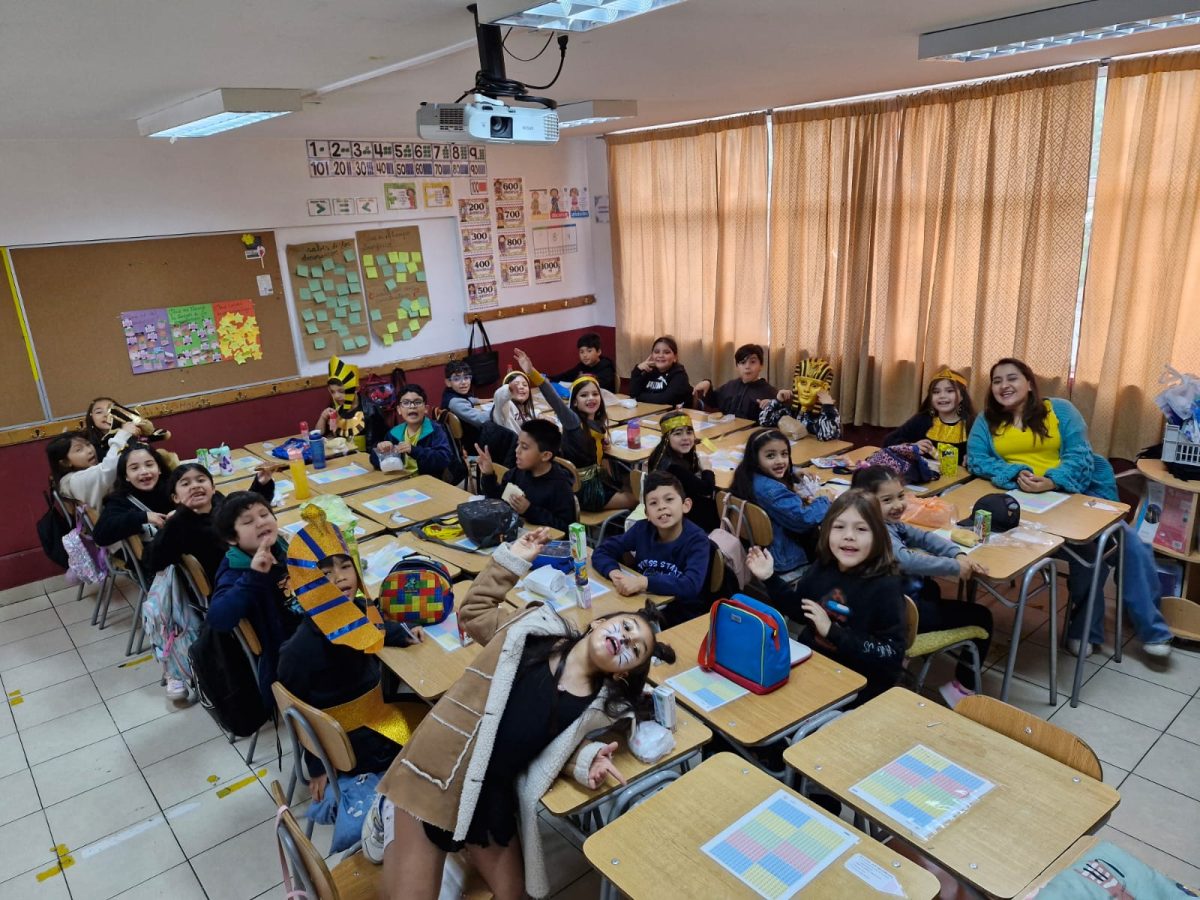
{"x":753,"y":719}
{"x":1077,"y":519}
{"x":244,"y":464}
{"x":609,"y":602}
{"x":373,"y":575}
{"x":1037,"y":809}
{"x":1084,"y":845}
{"x":443,"y":499}
{"x":567,"y":797}
{"x":703,"y":424}
{"x":809,"y":448}
{"x":619,"y":414}
{"x":291,"y":521}
{"x":470,"y":561}
{"x":653,"y":851}
{"x":619,"y":448}
{"x":426,"y":667}
{"x":349,"y":474}
{"x":727,"y":452}
{"x":263,"y":449}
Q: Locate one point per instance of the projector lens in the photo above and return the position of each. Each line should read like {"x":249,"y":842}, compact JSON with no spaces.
{"x":502,"y":126}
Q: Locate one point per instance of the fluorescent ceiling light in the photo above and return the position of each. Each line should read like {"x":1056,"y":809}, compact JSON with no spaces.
{"x":565,"y":15}
{"x":591,"y":112}
{"x":1061,"y":26}
{"x":220,"y":110}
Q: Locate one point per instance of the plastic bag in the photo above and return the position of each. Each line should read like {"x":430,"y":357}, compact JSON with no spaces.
{"x":929,"y":512}
{"x":651,"y":742}
{"x":1179,"y":397}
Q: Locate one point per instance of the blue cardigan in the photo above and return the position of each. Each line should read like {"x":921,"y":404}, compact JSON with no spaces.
{"x":790,"y":516}
{"x":1079,"y":471}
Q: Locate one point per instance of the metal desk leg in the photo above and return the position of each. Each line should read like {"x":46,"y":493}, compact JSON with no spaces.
{"x":1096,"y":590}
{"x":1053,"y":576}
{"x":1018,"y":618}
{"x":1119,"y":577}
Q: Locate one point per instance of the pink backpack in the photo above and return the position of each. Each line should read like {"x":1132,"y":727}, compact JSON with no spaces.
{"x":86,"y":562}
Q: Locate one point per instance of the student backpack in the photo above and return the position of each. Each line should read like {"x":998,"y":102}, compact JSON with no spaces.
{"x":86,"y":561}
{"x":171,"y":623}
{"x":226,"y":683}
{"x":747,"y":642}
{"x":52,"y":527}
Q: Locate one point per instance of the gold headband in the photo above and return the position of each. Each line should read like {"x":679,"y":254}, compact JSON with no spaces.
{"x":945,"y":373}
{"x":513,"y":374}
{"x":584,"y":379}
{"x":673,"y":420}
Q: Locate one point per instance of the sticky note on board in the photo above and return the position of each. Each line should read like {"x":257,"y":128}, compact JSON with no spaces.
{"x":348,"y":254}
{"x":421,"y":276}
{"x":305,"y":294}
{"x":401,"y":314}
{"x":355,"y":306}
{"x":314,"y":284}
{"x":327,"y":264}
{"x":360,"y":341}
{"x":413,"y":267}
{"x":416,"y":256}
{"x":311,"y":327}
{"x":302,"y":271}
{"x":388,"y":340}
{"x":327,"y":284}
{"x":406,"y":304}
{"x":390,"y":284}
{"x":348,"y":343}
{"x":372,"y":272}
{"x":407,"y":335}
{"x":340,"y":312}
{"x":356,"y":288}
{"x":322,"y":315}
{"x":339,"y":270}
{"x":376,"y":315}
{"x":319,"y":296}
{"x":368,"y":259}
{"x":423,"y":302}
{"x":318,"y":343}
{"x":402,"y":277}
{"x":415,"y":325}
{"x":352,"y":276}
{"x":355,"y":319}
{"x":306,"y":314}
{"x":393,"y":256}
{"x":343,"y":290}
{"x":392,"y":328}
{"x":389,"y":269}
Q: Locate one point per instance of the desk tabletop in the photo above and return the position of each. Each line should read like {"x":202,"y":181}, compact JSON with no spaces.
{"x":727,"y":451}
{"x":426,"y":667}
{"x":566,"y":795}
{"x":619,"y":414}
{"x":349,"y":474}
{"x":442,"y":499}
{"x":263,"y":449}
{"x":1078,"y":519}
{"x":608,"y":602}
{"x":377,"y":564}
{"x":815,"y":685}
{"x":809,"y":448}
{"x":619,"y":446}
{"x":689,"y":812}
{"x":706,"y":425}
{"x":244,"y":464}
{"x":290,"y":520}
{"x":1036,"y":811}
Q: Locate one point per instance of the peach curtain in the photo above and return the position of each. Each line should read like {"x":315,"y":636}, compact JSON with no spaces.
{"x":938,"y":228}
{"x":689,"y":227}
{"x":1141,"y":304}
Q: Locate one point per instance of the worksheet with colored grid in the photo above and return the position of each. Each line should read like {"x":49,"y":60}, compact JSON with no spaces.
{"x":922,"y":790}
{"x":705,"y":690}
{"x":445,"y":634}
{"x":780,"y":846}
{"x":329,"y":476}
{"x":398,"y":500}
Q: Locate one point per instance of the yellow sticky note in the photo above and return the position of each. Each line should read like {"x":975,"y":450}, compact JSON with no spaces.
{"x":393,"y":257}
{"x":416,"y":256}
{"x":415,"y":325}
{"x":368,"y":259}
{"x":402,"y":256}
{"x":372,"y":272}
{"x":401,"y":277}
{"x":413,"y":267}
{"x":392,"y":329}
{"x":401,"y":314}
{"x":388,"y":340}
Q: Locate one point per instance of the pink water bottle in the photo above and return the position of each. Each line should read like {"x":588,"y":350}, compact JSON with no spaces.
{"x":633,"y":434}
{"x":304,"y":431}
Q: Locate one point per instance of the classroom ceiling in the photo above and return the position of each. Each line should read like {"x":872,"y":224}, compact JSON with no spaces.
{"x":73,"y":70}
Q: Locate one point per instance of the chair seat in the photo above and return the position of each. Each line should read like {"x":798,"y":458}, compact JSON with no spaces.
{"x":936,"y":641}
{"x":357,"y":878}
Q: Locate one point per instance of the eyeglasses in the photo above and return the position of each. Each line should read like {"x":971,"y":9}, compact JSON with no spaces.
{"x":462,"y":376}
{"x":412,"y":404}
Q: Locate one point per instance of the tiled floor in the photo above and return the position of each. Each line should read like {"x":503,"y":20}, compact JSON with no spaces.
{"x":108,"y":789}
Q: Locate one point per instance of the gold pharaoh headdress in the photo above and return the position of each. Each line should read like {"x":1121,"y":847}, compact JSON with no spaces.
{"x":346,"y":375}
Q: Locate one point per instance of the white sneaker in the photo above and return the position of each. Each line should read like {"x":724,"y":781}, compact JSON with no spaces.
{"x":373,"y":832}
{"x":1161,"y":649}
{"x":1073,"y":648}
{"x":177,"y":689}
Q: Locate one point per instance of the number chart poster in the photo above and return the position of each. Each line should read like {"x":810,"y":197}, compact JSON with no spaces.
{"x":349,"y":158}
{"x":329,"y":298}
{"x":397,"y":293}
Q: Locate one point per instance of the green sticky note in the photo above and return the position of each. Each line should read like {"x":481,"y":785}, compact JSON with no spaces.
{"x":348,"y":254}
{"x":392,"y":328}
{"x":368,"y":259}
{"x":311,"y":327}
{"x":355,"y":319}
{"x":302,"y":271}
{"x":319,"y":296}
{"x":416,"y":256}
{"x":413,"y":267}
{"x":327,"y":264}
{"x":340,"y":312}
{"x":322,"y":316}
{"x":402,"y":277}
{"x":355,"y":306}
{"x":376,"y":314}
{"x":406,"y":335}
{"x":390,"y":284}
{"x":318,"y":343}
{"x":360,"y":341}
{"x":423,"y":301}
{"x":421,"y":277}
{"x":352,"y":276}
{"x":305,"y":294}
{"x":388,"y":340}
{"x":348,"y":343}
{"x":372,"y":273}
{"x":339,"y":270}
{"x":389,"y":269}
{"x":356,"y":288}
{"x":327,"y":284}
{"x":343,"y":290}
{"x":307,"y":315}
{"x":406,"y":304}
{"x":314,"y":284}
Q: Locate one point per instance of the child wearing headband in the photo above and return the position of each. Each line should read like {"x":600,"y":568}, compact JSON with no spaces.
{"x":945,"y":417}
{"x":676,"y":454}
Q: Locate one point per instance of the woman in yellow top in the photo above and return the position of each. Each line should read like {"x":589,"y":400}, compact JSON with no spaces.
{"x":1022,"y":441}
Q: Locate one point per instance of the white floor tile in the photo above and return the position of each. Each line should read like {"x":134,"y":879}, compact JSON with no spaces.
{"x":130,"y":674}
{"x":1178,"y":671}
{"x":1114,"y":739}
{"x":24,"y":607}
{"x":1187,"y":723}
{"x":1143,"y":701}
{"x":55,"y":582}
{"x":240,"y":868}
{"x":1160,"y":817}
{"x":27,"y":626}
{"x":145,"y":704}
{"x":83,"y":769}
{"x":87,"y":817}
{"x":123,"y":860}
{"x":104,"y":653}
{"x":178,"y":883}
{"x":181,"y":730}
{"x":1033,"y":664}
{"x":66,"y":595}
{"x":31,"y":649}
{"x":1033,"y":698}
{"x":1113,"y":775}
{"x":7,"y":726}
{"x":219,"y":813}
{"x":52,"y":702}
{"x":27,"y":886}
{"x":585,"y":888}
{"x":322,"y":836}
{"x":67,"y":733}
{"x":12,"y":755}
{"x":189,"y":773}
{"x":21,"y":592}
{"x":44,"y":673}
{"x":119,"y":618}
{"x":24,"y":845}
{"x":1173,"y":763}
{"x":1153,"y":857}
{"x":71,"y":613}
{"x":20,"y":796}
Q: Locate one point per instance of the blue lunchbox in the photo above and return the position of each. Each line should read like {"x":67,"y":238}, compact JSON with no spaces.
{"x":748,"y":643}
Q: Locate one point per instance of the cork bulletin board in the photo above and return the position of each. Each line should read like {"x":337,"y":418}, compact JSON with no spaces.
{"x":19,"y":401}
{"x":398,"y":294}
{"x":330,"y":303}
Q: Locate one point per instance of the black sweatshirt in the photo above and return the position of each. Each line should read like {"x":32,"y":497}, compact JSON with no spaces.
{"x":551,"y":500}
{"x":121,"y":518}
{"x":603,"y":371}
{"x":740,"y":398}
{"x":671,"y":386}
{"x":871,"y":640}
{"x":917,"y":429}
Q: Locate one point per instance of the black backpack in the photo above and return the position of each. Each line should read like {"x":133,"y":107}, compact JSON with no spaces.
{"x":226,"y":683}
{"x":52,"y":527}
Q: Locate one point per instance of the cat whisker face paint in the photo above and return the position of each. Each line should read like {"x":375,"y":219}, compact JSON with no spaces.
{"x":620,"y":644}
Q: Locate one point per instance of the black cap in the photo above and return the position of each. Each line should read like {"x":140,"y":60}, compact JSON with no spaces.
{"x":1005,"y":510}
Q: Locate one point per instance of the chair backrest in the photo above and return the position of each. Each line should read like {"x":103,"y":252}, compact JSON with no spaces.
{"x":453,"y":425}
{"x":716,"y":570}
{"x":301,"y":853}
{"x":636,"y":477}
{"x":911,"y":621}
{"x":250,"y":637}
{"x":574,"y":473}
{"x":327,"y":737}
{"x":1026,"y":728}
{"x":751,"y":520}
{"x":137,"y":547}
{"x":197,"y":579}
{"x":500,"y":471}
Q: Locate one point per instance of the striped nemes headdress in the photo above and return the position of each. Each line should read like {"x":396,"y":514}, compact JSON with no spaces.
{"x":347,"y":376}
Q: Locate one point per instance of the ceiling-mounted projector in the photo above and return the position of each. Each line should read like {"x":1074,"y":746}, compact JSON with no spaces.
{"x":485,"y":120}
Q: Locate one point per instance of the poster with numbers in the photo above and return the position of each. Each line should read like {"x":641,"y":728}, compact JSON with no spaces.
{"x":349,"y":158}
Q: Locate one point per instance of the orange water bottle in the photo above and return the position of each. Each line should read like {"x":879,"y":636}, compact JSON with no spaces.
{"x":298,"y":472}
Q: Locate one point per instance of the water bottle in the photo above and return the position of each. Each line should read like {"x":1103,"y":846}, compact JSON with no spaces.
{"x":304,"y":431}
{"x":633,"y":434}
{"x":298,"y":472}
{"x":316,"y":445}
